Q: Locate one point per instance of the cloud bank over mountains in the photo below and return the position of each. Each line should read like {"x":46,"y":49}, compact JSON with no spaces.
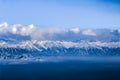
{"x":19,"y":32}
{"x":26,"y":42}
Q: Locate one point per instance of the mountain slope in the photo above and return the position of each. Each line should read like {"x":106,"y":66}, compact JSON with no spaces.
{"x":58,"y":48}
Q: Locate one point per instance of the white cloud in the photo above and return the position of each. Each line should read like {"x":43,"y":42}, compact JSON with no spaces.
{"x":89,"y":32}
{"x":4,"y":27}
{"x":31,"y":26}
{"x":4,"y":24}
{"x":75,"y":30}
{"x":55,"y":33}
{"x":14,"y":29}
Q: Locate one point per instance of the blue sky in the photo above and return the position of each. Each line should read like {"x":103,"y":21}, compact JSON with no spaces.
{"x":62,"y":13}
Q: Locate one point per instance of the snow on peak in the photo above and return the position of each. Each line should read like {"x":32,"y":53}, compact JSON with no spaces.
{"x":66,"y":44}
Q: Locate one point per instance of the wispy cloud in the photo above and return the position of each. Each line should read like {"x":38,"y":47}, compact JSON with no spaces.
{"x":75,"y":30}
{"x":89,"y":32}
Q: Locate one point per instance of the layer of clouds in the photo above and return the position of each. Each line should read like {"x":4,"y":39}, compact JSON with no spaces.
{"x":32,"y":32}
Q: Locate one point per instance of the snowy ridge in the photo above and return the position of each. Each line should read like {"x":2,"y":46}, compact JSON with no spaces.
{"x":66,"y":44}
{"x":34,"y":48}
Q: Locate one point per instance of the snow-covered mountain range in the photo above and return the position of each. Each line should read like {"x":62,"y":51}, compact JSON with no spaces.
{"x":58,"y":48}
{"x":21,"y":41}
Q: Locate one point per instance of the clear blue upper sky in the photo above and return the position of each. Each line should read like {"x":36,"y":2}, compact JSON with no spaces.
{"x":62,"y":13}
